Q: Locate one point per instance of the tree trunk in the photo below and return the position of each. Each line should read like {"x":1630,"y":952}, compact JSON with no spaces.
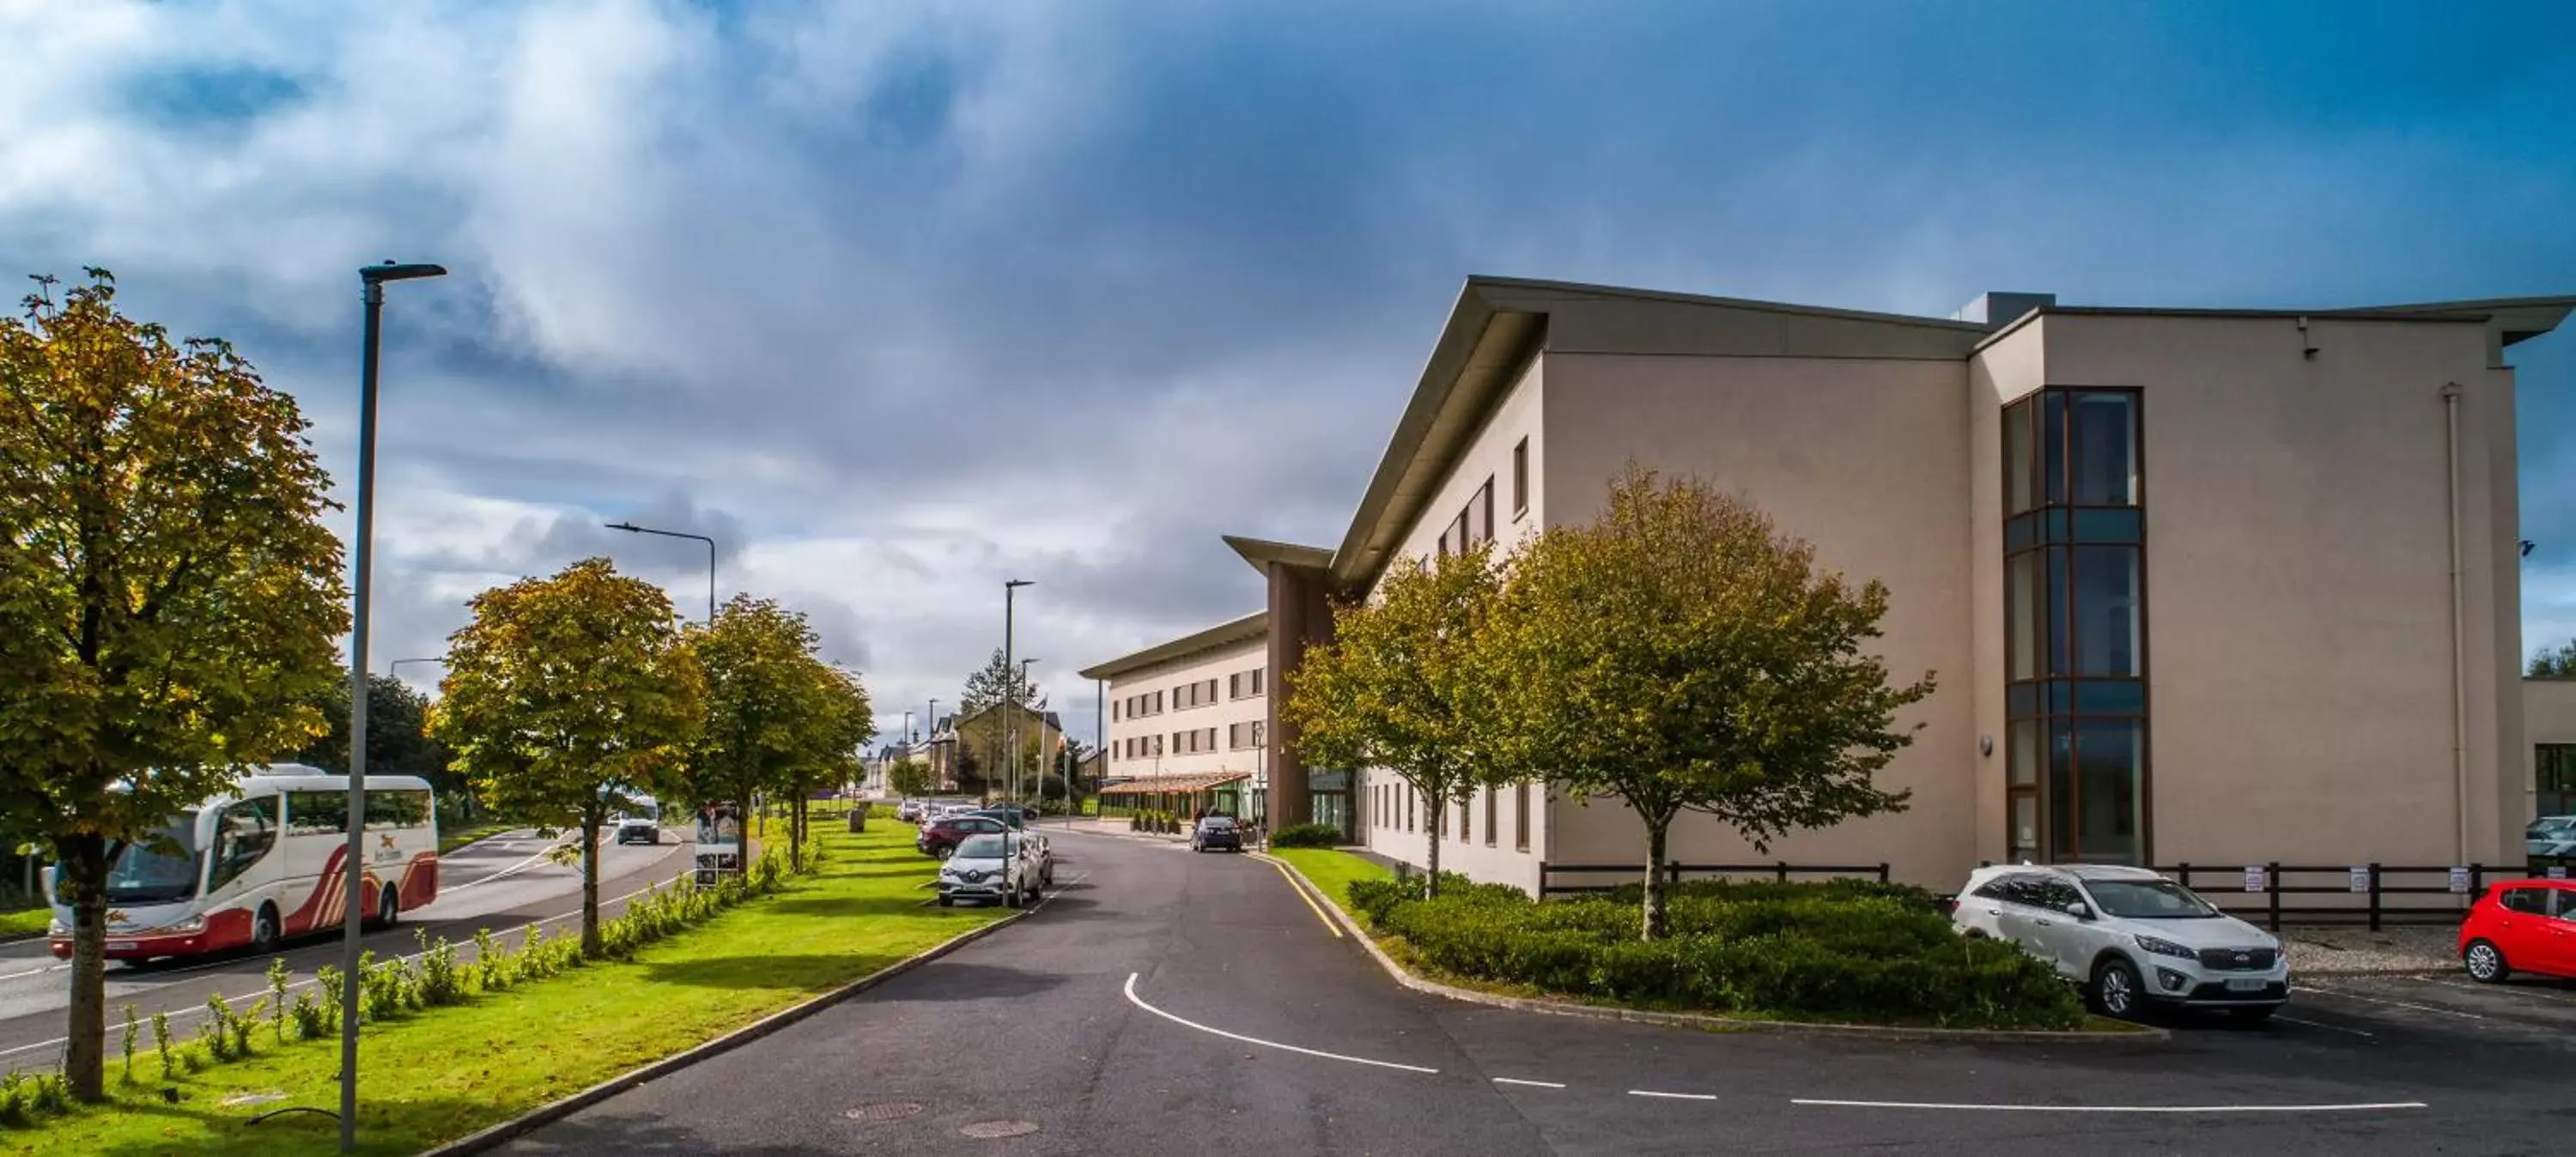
{"x":83,"y":880}
{"x":796,"y":844}
{"x":1656,"y":829}
{"x":1431,"y":887}
{"x":590,"y":883}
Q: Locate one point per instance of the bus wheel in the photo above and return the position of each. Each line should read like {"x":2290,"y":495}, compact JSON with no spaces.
{"x":263,"y":929}
{"x":389,"y":908}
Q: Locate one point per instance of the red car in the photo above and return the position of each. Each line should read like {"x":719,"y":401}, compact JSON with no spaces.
{"x":2521,"y":926}
{"x":941,"y":836}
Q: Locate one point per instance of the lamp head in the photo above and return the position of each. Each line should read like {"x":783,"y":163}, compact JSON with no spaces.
{"x":389,"y":270}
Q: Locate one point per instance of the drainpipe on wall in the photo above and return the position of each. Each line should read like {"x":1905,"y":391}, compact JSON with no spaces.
{"x":2459,"y":630}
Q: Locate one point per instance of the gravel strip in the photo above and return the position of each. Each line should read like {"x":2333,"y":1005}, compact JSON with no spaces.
{"x":2327,"y":950}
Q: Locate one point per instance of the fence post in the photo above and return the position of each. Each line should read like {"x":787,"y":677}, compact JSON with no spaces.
{"x":2272,"y":885}
{"x":1673,"y":872}
{"x":1784,"y":871}
{"x":1882,"y":871}
{"x":2182,"y":874}
{"x":2477,"y":879}
{"x":2374,"y":896}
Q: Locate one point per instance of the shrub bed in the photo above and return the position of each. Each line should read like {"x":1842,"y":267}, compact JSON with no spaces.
{"x":1306,"y":836}
{"x":1846,"y":950}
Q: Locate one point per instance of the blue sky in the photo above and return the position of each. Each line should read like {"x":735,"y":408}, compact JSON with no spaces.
{"x":899,"y":298}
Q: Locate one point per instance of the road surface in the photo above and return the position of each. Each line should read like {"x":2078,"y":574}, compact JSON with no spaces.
{"x":501,"y":883}
{"x":1168,"y":1002}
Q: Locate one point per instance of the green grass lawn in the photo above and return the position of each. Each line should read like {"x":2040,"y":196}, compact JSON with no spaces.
{"x":442,"y":1073}
{"x":26,"y":922}
{"x":1332,"y":870}
{"x":455,"y":838}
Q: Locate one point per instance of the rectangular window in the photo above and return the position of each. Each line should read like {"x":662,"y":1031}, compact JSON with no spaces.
{"x":1493,"y":801}
{"x":1408,"y":808}
{"x":1458,"y":532}
{"x":1260,"y":732}
{"x":2020,"y":470}
{"x":1234,"y":685}
{"x":315,"y":813}
{"x":1484,"y":512}
{"x":2105,"y":610}
{"x":1257,"y":679}
{"x":1520,"y":477}
{"x":1520,"y":806}
{"x":2104,"y":435}
{"x":1465,"y":829}
{"x":2555,"y":778}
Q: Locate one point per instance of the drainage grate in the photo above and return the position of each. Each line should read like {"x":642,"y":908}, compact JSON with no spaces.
{"x":994,"y":1130}
{"x":892,"y":1111}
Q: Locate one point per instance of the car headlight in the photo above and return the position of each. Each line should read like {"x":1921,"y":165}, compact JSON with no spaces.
{"x":2166,"y":948}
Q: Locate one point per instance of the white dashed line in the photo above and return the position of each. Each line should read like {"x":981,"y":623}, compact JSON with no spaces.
{"x":1528,"y":1084}
{"x":2337,"y":992}
{"x":1673,"y":1096}
{"x":2360,"y":1108}
{"x":1139,"y":1002}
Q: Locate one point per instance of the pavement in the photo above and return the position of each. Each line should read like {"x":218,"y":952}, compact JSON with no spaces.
{"x":1165,"y":1002}
{"x":503,"y":883}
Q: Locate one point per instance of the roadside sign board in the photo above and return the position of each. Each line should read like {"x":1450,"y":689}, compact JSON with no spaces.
{"x":2460,"y":880}
{"x":2360,"y":877}
{"x":2253,"y":877}
{"x":2558,"y":871}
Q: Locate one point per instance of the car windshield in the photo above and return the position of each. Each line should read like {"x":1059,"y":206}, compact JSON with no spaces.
{"x":2148,"y":900}
{"x":158,"y":868}
{"x":1216,"y":824}
{"x":986,"y":847}
{"x":2551,"y":826}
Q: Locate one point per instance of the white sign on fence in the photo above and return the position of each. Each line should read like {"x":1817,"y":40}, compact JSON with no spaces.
{"x":2558,"y":871}
{"x":2253,"y":877}
{"x":2460,"y":880}
{"x":2361,"y":877}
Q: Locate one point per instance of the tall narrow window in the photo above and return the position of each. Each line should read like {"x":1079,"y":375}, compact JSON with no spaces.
{"x":2075,"y":612}
{"x":1520,"y":816}
{"x":1465,"y":829}
{"x":1520,"y":476}
{"x":1484,"y":513}
{"x":1493,"y":801}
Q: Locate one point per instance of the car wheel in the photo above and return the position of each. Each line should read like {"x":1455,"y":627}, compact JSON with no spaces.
{"x":2115,"y":989}
{"x":1010,"y":897}
{"x":388,"y":908}
{"x":2249,"y":1017}
{"x":263,"y":929}
{"x":948,"y":901}
{"x":2486,"y":963}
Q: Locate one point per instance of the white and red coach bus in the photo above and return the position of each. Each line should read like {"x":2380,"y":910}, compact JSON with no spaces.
{"x":264,"y":862}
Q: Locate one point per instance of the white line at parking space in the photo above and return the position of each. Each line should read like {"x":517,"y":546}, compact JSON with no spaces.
{"x":1673,"y":1096}
{"x":1527,"y":1084}
{"x":2341,"y":994}
{"x":1139,"y":1002}
{"x":2367,"y":1107}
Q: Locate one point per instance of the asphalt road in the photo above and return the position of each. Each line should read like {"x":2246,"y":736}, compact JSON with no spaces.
{"x":501,"y":883}
{"x":1041,"y":1028}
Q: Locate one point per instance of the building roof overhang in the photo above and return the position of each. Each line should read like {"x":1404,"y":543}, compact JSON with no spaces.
{"x":1263,"y":553}
{"x":1252,"y":626}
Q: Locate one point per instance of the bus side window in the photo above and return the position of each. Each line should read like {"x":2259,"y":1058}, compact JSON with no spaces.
{"x":243,"y":834}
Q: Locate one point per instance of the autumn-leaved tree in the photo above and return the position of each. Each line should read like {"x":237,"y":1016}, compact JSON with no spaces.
{"x":1398,"y":687}
{"x":1681,"y":654}
{"x":168,"y":599}
{"x":564,"y":692}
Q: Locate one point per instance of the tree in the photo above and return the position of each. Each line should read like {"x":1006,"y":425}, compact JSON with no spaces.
{"x":566,"y":693}
{"x":1680,"y":654}
{"x":996,"y":681}
{"x":2555,"y":662}
{"x":778,"y":719}
{"x":168,"y":596}
{"x":398,"y":740}
{"x":910,"y":779}
{"x":1398,"y":687}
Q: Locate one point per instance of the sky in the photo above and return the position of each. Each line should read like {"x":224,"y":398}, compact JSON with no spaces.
{"x":898,"y":300}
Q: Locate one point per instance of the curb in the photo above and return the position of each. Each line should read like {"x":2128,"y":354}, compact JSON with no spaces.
{"x":551,"y":1112}
{"x":2146,"y":1034}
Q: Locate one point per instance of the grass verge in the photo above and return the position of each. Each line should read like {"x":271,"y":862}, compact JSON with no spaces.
{"x":26,"y":922}
{"x":1331,"y":871}
{"x":455,"y":838}
{"x":439,"y":1074}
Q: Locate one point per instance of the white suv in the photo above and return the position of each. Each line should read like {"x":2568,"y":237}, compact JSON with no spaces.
{"x":2130,"y":937}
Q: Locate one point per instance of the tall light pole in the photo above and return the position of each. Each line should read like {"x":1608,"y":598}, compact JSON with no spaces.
{"x":1099,"y":744}
{"x":907,"y":731}
{"x":930,"y":732}
{"x":372,"y":281}
{"x":395,"y":668}
{"x":631,"y":528}
{"x":1010,"y":693}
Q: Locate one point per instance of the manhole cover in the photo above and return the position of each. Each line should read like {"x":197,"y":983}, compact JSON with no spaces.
{"x":239,"y":1099}
{"x":889,"y":1112}
{"x":991,"y":1130}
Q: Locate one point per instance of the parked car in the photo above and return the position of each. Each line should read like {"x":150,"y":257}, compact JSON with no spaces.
{"x":941,"y":836}
{"x":1018,"y":820}
{"x":990,"y":866}
{"x":1214,"y":832}
{"x":2550,"y":836}
{"x":909,"y":811}
{"x":2521,"y":926}
{"x":2129,"y":937}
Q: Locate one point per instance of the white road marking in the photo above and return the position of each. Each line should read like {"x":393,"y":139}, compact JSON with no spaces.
{"x":519,"y":867}
{"x":1673,"y":1096}
{"x":1530,"y":1084}
{"x":2390,"y":1003}
{"x":2323,"y":1025}
{"x":34,"y":971}
{"x":2356,"y":1108}
{"x":1139,"y":1002}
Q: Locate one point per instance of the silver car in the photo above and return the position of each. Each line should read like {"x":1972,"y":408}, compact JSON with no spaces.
{"x":992,"y":866}
{"x":2130,"y":937}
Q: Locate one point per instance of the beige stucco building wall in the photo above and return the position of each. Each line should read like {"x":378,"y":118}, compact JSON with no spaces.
{"x":1866,"y":459}
{"x":2298,"y":593}
{"x":1224,"y":713}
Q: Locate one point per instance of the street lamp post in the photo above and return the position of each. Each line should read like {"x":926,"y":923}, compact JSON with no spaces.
{"x":929,"y":735}
{"x":372,"y":280}
{"x":1010,"y":694}
{"x":631,"y":528}
{"x":395,"y":668}
{"x":1099,"y":743}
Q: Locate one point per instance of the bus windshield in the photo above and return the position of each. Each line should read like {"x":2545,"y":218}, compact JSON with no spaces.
{"x":152,"y":871}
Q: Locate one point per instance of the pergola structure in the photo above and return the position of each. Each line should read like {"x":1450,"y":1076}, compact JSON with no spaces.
{"x":1185,"y":795}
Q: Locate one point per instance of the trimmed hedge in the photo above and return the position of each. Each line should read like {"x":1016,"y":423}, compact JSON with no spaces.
{"x":1847,"y":950}
{"x":1306,"y":836}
